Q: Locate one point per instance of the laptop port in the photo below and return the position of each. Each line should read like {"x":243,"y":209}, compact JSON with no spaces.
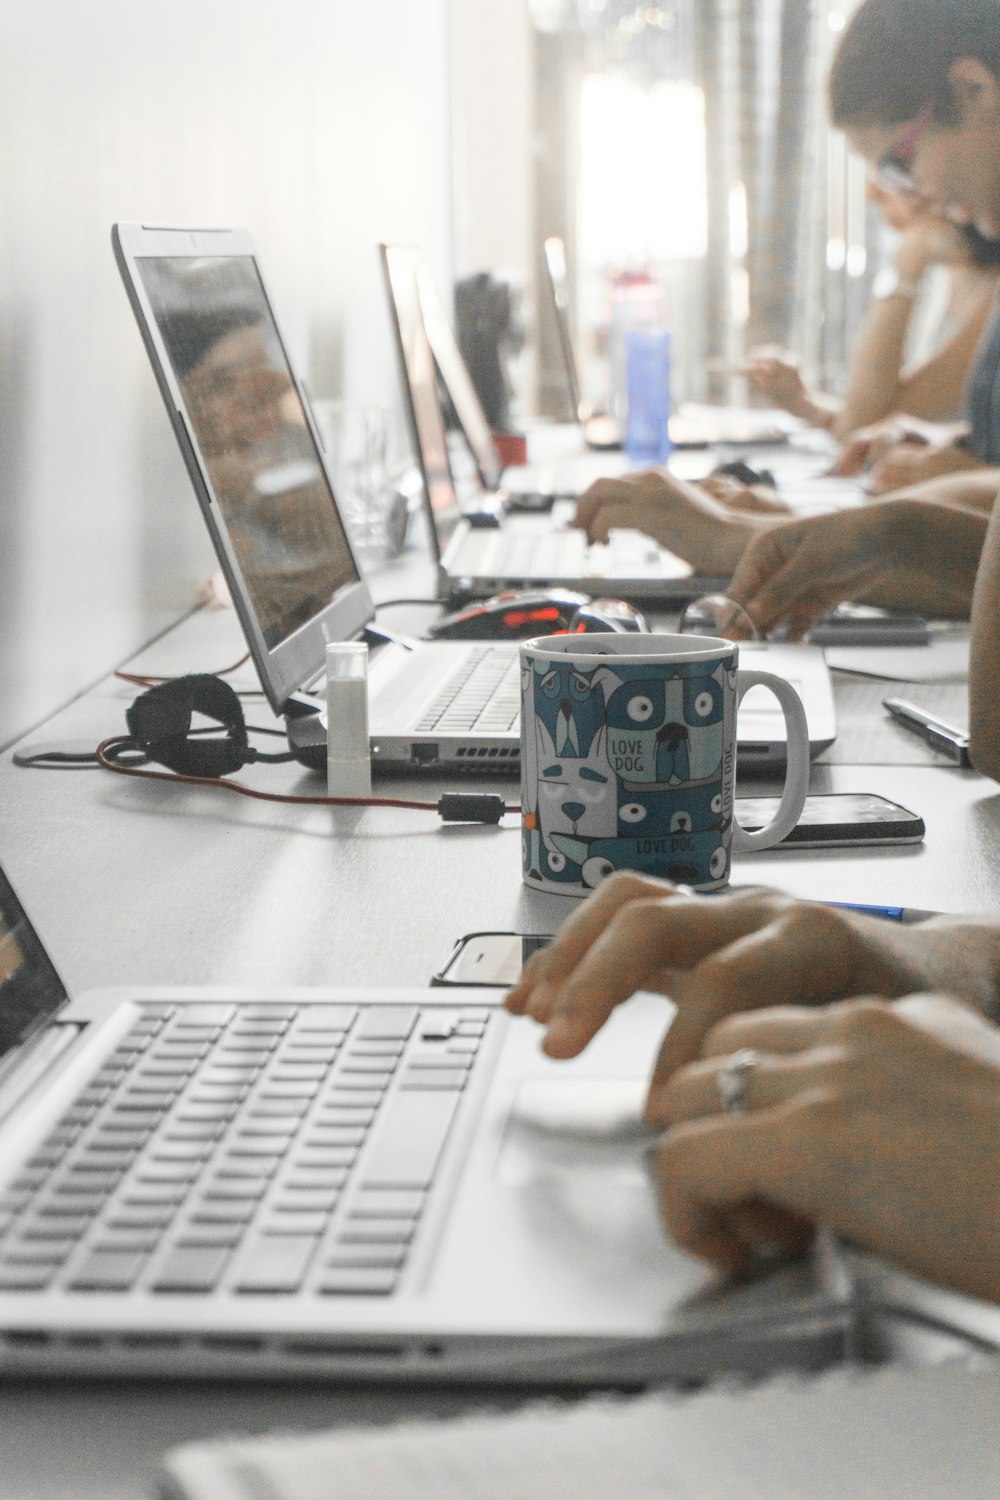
{"x":423,"y":755}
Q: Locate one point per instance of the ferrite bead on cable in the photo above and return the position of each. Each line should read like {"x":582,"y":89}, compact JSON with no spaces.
{"x":470,"y":807}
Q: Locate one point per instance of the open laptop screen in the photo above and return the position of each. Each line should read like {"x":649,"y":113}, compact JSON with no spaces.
{"x":30,"y":988}
{"x":419,"y":379}
{"x":249,"y":424}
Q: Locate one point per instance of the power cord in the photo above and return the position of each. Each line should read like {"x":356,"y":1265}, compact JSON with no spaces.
{"x":451,"y":807}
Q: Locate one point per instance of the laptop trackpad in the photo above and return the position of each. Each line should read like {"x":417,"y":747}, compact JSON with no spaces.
{"x":583,"y":1126}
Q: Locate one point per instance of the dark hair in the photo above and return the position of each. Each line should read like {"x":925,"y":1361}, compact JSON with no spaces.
{"x":984,"y":252}
{"x":894,"y":57}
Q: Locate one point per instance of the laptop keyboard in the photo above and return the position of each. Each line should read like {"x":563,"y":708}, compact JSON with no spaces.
{"x":484,"y":695}
{"x":560,"y":554}
{"x":253,"y":1148}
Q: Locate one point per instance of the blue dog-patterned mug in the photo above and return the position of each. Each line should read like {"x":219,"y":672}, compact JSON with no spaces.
{"x":628,"y":759}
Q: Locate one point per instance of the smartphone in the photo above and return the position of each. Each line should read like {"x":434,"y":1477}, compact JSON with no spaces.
{"x":489,"y":958}
{"x":837,"y":818}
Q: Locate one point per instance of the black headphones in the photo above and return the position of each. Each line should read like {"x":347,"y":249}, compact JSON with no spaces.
{"x":159,"y":722}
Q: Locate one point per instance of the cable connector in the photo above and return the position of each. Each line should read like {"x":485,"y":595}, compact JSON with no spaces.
{"x":471,"y":807}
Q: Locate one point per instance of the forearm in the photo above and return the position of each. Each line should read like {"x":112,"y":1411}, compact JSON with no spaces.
{"x":930,"y":557}
{"x":959,"y":956}
{"x":975,"y":490}
{"x":873,"y":389}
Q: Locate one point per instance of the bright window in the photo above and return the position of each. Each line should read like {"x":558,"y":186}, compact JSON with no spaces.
{"x":642,"y":172}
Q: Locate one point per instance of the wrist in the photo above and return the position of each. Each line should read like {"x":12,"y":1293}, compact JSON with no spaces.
{"x":894,"y":282}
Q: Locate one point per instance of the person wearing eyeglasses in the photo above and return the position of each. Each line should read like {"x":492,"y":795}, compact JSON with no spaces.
{"x":915,"y":85}
{"x":882,"y":384}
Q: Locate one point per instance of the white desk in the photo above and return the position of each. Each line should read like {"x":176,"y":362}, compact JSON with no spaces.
{"x":130,"y":880}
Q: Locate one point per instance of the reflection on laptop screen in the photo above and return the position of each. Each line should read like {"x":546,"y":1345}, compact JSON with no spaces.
{"x":30,"y":988}
{"x":256,"y":447}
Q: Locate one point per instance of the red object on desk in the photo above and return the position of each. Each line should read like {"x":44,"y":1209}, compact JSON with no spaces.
{"x":512,"y":448}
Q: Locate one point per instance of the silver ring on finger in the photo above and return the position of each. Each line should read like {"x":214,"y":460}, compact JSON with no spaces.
{"x":733,"y":1080}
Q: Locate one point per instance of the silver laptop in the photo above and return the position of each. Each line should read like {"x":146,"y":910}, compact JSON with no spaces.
{"x":253,"y":453}
{"x":691,"y":425}
{"x":515,"y":551}
{"x":525,"y":486}
{"x":347,"y":1185}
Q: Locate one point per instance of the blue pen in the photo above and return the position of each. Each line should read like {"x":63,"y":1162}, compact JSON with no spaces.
{"x":905,"y":914}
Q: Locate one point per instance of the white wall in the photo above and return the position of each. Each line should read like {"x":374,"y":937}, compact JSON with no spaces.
{"x":492,"y":101}
{"x":321,"y":125}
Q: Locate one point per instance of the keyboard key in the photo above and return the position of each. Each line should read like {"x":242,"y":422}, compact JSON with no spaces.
{"x":210,"y":1234}
{"x":376,"y":1232}
{"x":319,"y":1134}
{"x":325,"y":1018}
{"x":410,"y":1136}
{"x":276,"y":1263}
{"x":278,"y":1223}
{"x":357,"y":1281}
{"x":353,"y":1063}
{"x":192,"y":1268}
{"x":204,"y":1014}
{"x":301,"y":1200}
{"x":24,"y":1278}
{"x":382,"y":1256}
{"x":335,"y":1114}
{"x":387,"y":1203}
{"x":365,"y":1083}
{"x":448,"y":1079}
{"x":377,"y":1021}
{"x":362,"y":1098}
{"x":333,"y":1163}
{"x":108,"y":1271}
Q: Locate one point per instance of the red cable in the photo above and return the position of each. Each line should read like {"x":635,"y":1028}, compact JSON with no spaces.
{"x":119,"y":741}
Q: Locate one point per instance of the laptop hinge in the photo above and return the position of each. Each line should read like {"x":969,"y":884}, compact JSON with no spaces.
{"x":20,"y":1073}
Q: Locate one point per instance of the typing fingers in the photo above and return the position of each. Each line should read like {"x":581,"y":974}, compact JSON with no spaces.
{"x":634,"y":934}
{"x":804,"y":955}
{"x":696,"y":1091}
{"x":546,"y":970}
{"x":713,"y":1175}
{"x":607,"y":504}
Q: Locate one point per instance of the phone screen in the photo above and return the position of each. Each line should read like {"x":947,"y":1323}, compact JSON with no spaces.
{"x":490,"y":958}
{"x":838,"y":818}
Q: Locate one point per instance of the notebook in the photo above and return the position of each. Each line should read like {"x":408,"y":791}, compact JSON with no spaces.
{"x":853,"y":1434}
{"x":346,"y":1184}
{"x":253,"y":453}
{"x":485,"y":554}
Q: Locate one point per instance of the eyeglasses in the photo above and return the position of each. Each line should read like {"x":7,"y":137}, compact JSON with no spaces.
{"x":894,"y":173}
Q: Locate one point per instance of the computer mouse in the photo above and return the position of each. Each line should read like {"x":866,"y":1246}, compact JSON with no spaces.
{"x":610,"y":614}
{"x":744,"y":473}
{"x":520,"y":615}
{"x":511,"y":615}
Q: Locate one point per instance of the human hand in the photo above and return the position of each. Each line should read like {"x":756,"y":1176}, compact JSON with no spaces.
{"x":907,"y":465}
{"x":864,"y":448}
{"x":711,"y":955}
{"x":905,"y":552}
{"x":876,"y":1120}
{"x":682,"y":517}
{"x":776,"y":374}
{"x":749,"y":499}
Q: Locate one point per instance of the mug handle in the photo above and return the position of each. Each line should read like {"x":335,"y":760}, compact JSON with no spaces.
{"x":793,"y":793}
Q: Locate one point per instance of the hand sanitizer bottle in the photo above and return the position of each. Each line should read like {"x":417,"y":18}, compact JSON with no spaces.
{"x":348,"y":753}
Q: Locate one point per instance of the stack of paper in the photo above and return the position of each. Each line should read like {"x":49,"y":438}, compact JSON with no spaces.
{"x":892,"y":1434}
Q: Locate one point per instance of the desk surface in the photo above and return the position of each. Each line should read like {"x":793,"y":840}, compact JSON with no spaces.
{"x":134,"y":881}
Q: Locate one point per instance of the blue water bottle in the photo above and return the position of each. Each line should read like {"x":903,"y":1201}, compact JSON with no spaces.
{"x":647,"y":381}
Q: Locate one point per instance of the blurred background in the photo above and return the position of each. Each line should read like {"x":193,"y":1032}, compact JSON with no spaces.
{"x":680,"y":144}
